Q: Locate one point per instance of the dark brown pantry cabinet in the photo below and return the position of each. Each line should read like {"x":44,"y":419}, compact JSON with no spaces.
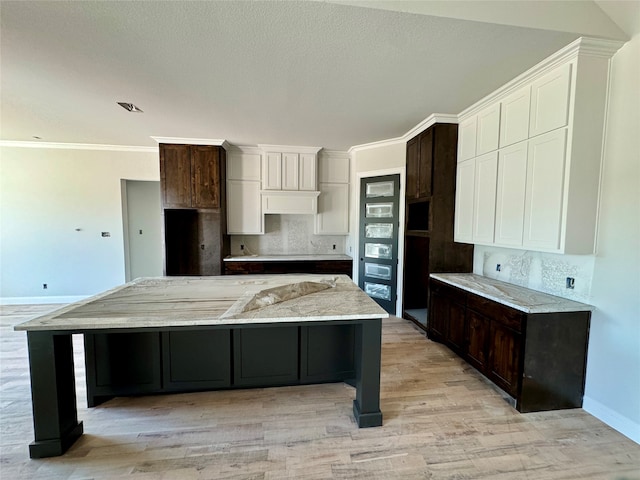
{"x":539,"y":359}
{"x":192,"y":181}
{"x":429,"y":217}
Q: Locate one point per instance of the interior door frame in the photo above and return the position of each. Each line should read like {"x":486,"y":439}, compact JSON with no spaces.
{"x":401,"y":207}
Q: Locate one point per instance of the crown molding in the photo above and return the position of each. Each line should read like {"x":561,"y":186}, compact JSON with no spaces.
{"x":288,"y":149}
{"x":583,"y":46}
{"x":247,"y":149}
{"x":78,"y":146}
{"x":335,"y":153}
{"x":216,"y":142}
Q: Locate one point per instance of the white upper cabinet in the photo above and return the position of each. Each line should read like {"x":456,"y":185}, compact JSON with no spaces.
{"x":514,"y":112}
{"x":550,"y":101}
{"x":488,"y":130}
{"x":333,"y":202}
{"x":544,"y":191}
{"x":243,"y":166}
{"x":467,"y":138}
{"x":290,"y":168}
{"x":272,"y":171}
{"x":333,"y":168}
{"x":540,"y":191}
{"x":510,"y":196}
{"x":307,"y":172}
{"x":463,"y":228}
{"x":244,"y":211}
{"x":485,"y":197}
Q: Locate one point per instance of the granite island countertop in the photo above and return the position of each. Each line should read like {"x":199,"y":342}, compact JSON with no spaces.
{"x":286,"y":258}
{"x":161,"y":302}
{"x":520,"y":298}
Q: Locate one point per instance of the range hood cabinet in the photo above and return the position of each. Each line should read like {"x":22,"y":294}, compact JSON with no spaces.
{"x":291,"y":201}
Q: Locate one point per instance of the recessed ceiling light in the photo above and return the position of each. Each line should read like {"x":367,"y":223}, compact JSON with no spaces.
{"x":130,"y":107}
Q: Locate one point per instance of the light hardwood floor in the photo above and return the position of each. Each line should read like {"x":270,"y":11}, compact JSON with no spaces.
{"x":442,"y":420}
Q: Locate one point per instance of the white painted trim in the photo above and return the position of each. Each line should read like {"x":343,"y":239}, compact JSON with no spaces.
{"x":42,"y":300}
{"x":219,"y":142}
{"x":78,"y":146}
{"x":622,"y":424}
{"x":248,"y":149}
{"x":401,"y":207}
{"x":581,"y":46}
{"x":423,"y":125}
{"x":289,"y":149}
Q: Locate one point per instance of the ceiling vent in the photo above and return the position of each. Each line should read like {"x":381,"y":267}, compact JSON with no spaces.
{"x":130,"y":107}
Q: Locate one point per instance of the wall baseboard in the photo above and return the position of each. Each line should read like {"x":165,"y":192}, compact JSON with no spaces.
{"x":622,"y":424}
{"x":41,"y":300}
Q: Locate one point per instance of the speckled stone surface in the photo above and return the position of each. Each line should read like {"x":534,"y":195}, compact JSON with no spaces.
{"x":284,"y":258}
{"x":208,"y":301}
{"x":520,"y":298}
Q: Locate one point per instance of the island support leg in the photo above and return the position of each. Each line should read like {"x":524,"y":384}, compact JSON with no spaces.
{"x":366,"y":406}
{"x":53,"y":394}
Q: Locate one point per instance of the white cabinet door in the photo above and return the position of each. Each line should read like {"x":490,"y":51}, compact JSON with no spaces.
{"x":272,"y":171}
{"x":290,"y":171}
{"x":308,"y":172}
{"x":514,"y":117}
{"x":244,"y":213}
{"x":243,"y":166}
{"x":512,"y":178}
{"x":488,"y":130}
{"x":485,"y":198}
{"x":544,"y":193}
{"x":463,"y":228}
{"x":333,"y":209}
{"x":467,"y":139}
{"x":333,"y":169}
{"x":550,"y":101}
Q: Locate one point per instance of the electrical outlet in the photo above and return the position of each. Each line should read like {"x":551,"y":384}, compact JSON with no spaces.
{"x":44,"y":286}
{"x":571,"y":282}
{"x":334,"y":246}
{"x":498,"y":267}
{"x":241,"y":247}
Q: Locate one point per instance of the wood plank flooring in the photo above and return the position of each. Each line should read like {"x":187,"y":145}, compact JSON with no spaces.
{"x":442,"y":420}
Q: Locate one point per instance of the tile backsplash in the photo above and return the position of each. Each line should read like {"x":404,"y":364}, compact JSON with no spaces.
{"x":545,"y":272}
{"x":288,"y":235}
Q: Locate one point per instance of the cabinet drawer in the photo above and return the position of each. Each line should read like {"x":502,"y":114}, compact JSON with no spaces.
{"x":453,"y":293}
{"x":508,"y":317}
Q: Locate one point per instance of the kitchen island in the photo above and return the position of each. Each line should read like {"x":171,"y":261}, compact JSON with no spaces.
{"x":175,"y":334}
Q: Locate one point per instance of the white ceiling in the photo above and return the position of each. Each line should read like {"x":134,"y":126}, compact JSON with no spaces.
{"x":321,"y":74}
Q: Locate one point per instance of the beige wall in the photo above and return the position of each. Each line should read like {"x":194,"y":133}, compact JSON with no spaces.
{"x":54,"y":206}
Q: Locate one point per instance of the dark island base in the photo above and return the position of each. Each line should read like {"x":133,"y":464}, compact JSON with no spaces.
{"x":151,"y":361}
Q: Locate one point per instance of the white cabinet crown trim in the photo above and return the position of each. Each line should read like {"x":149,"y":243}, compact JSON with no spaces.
{"x":288,"y":149}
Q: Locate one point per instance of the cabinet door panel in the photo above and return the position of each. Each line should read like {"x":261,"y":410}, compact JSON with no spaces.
{"x":425,"y":164}
{"x":544,"y":192}
{"x":465,"y":184}
{"x":514,"y":117}
{"x":243,"y":166}
{"x":456,"y":331}
{"x":550,"y":101}
{"x":244,"y":208}
{"x":512,"y":176}
{"x":488,"y":130}
{"x":438,"y":317}
{"x":307,"y":172}
{"x":272,"y":171}
{"x":485,"y":198}
{"x":504,"y":357}
{"x":209,"y":236}
{"x":205,"y":175}
{"x":327,"y":353}
{"x":333,"y":209}
{"x":467,"y":139}
{"x":477,"y":337}
{"x":175,"y":175}
{"x":413,"y":159}
{"x":290,"y":172}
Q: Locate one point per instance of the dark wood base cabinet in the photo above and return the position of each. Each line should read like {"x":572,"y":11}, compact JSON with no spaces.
{"x":125,"y":364}
{"x":331,"y":267}
{"x":538,"y":359}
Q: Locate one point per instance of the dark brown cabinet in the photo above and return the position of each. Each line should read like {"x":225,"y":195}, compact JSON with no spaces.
{"x":429,"y":216}
{"x":335,"y":267}
{"x":538,"y":359}
{"x":192,"y":180}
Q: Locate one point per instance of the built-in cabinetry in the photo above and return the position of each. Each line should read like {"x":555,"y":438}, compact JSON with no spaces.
{"x":430,"y":190}
{"x":333,"y":201}
{"x":237,"y":266}
{"x":192,"y":182}
{"x":539,"y":359}
{"x":529,"y":157}
{"x":121,"y":364}
{"x":243,"y":192}
{"x":289,"y":179}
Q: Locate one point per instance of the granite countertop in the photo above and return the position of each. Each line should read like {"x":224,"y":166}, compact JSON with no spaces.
{"x":285,"y":258}
{"x":208,"y":301}
{"x":520,"y":298}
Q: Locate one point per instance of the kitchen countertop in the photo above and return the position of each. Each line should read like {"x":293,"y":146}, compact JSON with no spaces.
{"x":520,"y":298}
{"x":285,"y":258}
{"x":207,"y":301}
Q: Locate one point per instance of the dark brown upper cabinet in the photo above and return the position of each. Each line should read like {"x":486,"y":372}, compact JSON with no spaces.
{"x":190,"y":175}
{"x":420,"y":166}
